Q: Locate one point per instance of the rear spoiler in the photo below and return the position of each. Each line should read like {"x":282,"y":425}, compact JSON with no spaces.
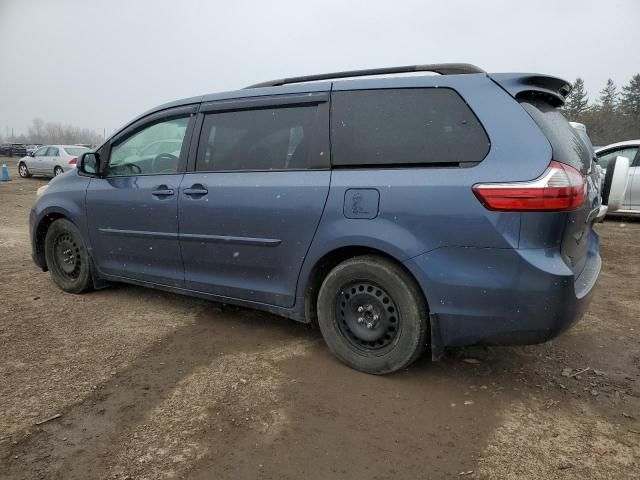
{"x":522,"y":85}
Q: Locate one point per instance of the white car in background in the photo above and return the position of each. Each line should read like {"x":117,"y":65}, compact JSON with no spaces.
{"x":629,"y":149}
{"x":50,"y":160}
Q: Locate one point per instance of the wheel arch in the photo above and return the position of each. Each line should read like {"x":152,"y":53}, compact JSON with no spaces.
{"x":40,"y":234}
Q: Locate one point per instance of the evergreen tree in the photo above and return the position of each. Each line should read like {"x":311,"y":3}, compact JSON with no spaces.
{"x":577,"y":102}
{"x":603,"y":121}
{"x":630,"y":98}
{"x":616,"y":115}
{"x":608,"y":97}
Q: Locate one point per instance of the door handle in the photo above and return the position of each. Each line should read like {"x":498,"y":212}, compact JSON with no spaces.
{"x":196,"y":190}
{"x":163,"y":192}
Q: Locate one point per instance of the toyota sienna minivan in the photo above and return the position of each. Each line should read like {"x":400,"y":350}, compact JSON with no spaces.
{"x":399,"y":213}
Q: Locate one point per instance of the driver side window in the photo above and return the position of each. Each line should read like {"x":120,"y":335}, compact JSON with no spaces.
{"x":153,"y":150}
{"x":630,"y":153}
{"x":41,"y":152}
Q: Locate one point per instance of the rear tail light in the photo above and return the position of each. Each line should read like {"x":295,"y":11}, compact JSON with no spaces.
{"x":559,"y":188}
{"x":73,"y":161}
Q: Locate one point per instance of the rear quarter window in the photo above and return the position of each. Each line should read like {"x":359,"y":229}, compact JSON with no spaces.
{"x":566,"y":143}
{"x":77,"y":151}
{"x":423,"y":126}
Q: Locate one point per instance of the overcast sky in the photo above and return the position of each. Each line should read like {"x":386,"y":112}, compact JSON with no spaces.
{"x":97,"y":64}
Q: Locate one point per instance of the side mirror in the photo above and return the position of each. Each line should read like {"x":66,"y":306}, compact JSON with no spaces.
{"x":89,"y":163}
{"x":31,"y":154}
{"x":615,"y":183}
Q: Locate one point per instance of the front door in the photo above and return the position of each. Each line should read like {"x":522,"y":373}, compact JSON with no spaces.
{"x":132,"y":211}
{"x":630,"y":152}
{"x":36,"y":163}
{"x":634,"y":184}
{"x":249,"y":210}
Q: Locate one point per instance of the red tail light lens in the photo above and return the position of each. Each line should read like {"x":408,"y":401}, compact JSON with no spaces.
{"x":559,"y":188}
{"x":73,"y":161}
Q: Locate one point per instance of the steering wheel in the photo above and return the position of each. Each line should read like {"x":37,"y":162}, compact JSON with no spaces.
{"x":133,"y":167}
{"x":164,"y":163}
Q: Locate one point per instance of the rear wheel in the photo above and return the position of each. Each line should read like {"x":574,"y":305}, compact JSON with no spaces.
{"x":58,"y":171}
{"x":67,"y":257}
{"x":372,"y":315}
{"x":23,"y":171}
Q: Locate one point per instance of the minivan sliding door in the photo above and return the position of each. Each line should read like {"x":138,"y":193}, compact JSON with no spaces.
{"x":249,"y":209}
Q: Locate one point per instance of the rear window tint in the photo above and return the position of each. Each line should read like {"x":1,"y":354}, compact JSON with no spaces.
{"x":587,"y":141}
{"x":566,"y":143}
{"x":404,"y":126}
{"x":265,"y":139}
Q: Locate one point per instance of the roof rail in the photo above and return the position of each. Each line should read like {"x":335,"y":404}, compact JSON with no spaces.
{"x":441,"y":68}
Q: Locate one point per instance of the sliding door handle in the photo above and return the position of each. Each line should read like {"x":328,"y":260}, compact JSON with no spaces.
{"x":163,"y":192}
{"x":195,"y":190}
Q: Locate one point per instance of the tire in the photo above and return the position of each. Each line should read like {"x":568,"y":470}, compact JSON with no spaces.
{"x":382,"y":327}
{"x":23,"y":171}
{"x":57,"y":171}
{"x":67,"y":257}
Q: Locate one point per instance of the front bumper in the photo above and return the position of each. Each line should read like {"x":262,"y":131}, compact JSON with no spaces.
{"x":493,"y":296}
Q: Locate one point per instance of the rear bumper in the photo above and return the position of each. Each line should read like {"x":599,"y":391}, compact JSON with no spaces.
{"x":495,"y":296}
{"x":602,"y":212}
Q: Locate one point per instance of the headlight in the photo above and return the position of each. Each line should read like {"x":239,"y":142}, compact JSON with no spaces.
{"x":41,"y":190}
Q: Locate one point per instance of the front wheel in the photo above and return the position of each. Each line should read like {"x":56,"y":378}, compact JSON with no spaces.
{"x":57,"y":171}
{"x":23,"y":171}
{"x":372,"y":315}
{"x":67,"y":257}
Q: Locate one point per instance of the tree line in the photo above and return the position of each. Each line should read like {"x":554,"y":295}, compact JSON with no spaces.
{"x":613,"y":117}
{"x":55,"y":133}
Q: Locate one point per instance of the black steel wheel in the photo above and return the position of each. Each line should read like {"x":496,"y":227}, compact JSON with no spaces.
{"x":67,"y":257}
{"x":372,"y":314}
{"x":367,"y":316}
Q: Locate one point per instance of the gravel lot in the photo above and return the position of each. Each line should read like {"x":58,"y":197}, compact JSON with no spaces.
{"x":151,"y":385}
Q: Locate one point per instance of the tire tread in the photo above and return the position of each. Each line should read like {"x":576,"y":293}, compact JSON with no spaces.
{"x":393,"y":272}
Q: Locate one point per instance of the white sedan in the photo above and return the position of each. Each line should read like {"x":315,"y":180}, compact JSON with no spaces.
{"x":50,"y":160}
{"x":631,"y":150}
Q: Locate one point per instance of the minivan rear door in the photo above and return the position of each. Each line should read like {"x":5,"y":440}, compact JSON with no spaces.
{"x":252,"y":199}
{"x":568,"y":148}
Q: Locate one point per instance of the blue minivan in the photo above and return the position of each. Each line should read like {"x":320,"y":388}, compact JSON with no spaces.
{"x":401,"y":213}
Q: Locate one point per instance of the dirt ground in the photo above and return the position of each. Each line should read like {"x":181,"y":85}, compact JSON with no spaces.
{"x":150,"y":385}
